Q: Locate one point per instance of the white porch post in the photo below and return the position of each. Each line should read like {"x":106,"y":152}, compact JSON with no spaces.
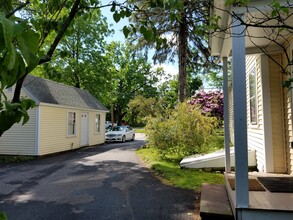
{"x":240,"y":121}
{"x":226,"y":116}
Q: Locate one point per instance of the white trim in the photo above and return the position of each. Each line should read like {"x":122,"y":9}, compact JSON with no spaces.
{"x":240,"y":114}
{"x":267,"y":117}
{"x":97,"y":132}
{"x":37,"y":138}
{"x":226,"y":116}
{"x":72,"y":107}
{"x":253,"y":124}
{"x":31,"y":96}
{"x":75,"y":130}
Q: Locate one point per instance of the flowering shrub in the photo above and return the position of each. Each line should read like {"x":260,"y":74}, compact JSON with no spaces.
{"x":211,"y":103}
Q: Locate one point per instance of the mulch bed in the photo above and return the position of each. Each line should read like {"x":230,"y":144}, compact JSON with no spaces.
{"x":253,"y":185}
{"x":277,"y":184}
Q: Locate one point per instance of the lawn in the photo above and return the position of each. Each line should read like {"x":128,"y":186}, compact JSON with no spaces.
{"x":169,"y":171}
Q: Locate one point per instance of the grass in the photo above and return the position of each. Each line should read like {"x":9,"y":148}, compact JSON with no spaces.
{"x":169,"y":171}
{"x":15,"y":159}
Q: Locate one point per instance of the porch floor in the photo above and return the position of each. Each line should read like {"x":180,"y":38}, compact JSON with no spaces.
{"x":263,"y":200}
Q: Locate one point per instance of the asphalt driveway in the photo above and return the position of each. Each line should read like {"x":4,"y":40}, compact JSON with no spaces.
{"x":102,"y":182}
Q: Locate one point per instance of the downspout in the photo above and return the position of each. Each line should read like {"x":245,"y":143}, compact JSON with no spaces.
{"x":240,"y":114}
{"x":226,"y":116}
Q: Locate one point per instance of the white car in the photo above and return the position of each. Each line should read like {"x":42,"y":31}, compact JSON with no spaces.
{"x":120,"y":133}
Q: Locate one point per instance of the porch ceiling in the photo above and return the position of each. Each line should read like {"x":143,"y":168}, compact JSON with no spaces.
{"x":256,"y":38}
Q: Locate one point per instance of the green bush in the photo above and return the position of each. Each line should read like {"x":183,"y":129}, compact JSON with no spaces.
{"x":183,"y":131}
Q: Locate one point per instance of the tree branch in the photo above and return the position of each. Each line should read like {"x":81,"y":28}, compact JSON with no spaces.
{"x":62,"y":31}
{"x":18,"y":8}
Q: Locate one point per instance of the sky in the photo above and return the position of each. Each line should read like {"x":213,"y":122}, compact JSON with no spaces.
{"x":169,"y":68}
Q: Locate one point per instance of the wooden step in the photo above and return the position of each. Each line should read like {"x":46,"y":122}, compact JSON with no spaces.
{"x":214,"y":203}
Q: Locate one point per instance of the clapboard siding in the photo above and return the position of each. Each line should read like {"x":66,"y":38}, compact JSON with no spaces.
{"x":276,"y":94}
{"x":53,"y":129}
{"x":231,"y":118}
{"x":20,"y":139}
{"x":287,"y":110}
{"x":94,"y":137}
{"x":255,"y":132}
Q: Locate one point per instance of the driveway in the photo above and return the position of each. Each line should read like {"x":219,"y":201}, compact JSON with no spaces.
{"x":101,"y":182}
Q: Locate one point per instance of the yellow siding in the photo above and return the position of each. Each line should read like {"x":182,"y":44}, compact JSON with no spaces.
{"x":287,"y":113}
{"x":20,"y":140}
{"x":97,"y":138}
{"x":255,"y":132}
{"x":276,"y":94}
{"x":53,"y":130}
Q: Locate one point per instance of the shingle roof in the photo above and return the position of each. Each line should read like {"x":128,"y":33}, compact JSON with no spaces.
{"x":51,"y":92}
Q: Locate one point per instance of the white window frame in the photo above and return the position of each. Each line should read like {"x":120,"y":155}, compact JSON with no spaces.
{"x":97,"y":123}
{"x":74,"y":124}
{"x":252,"y":73}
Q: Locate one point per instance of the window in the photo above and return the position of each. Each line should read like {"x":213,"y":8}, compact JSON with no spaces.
{"x":97,"y":123}
{"x":252,"y":96}
{"x":71,"y":123}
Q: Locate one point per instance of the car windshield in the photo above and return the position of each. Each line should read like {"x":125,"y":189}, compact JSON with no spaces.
{"x":118,"y":128}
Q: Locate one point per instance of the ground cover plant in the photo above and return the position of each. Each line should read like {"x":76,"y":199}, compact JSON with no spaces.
{"x":168,"y":170}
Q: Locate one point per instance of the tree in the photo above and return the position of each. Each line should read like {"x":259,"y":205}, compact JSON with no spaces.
{"x":131,"y":75}
{"x":140,"y":108}
{"x":30,"y":39}
{"x":184,"y":23}
{"x":80,"y":58}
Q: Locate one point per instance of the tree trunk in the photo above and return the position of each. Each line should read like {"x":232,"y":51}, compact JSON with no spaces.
{"x":182,"y":55}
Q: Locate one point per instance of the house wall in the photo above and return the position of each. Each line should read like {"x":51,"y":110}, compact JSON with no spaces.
{"x":20,"y":139}
{"x":277,"y":112}
{"x":288,"y":98}
{"x":255,"y":132}
{"x":94,"y":137}
{"x":53,"y":129}
{"x":231,"y":113}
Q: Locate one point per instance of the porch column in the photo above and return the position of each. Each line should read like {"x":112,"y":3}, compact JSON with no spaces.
{"x":226,"y":116}
{"x":240,"y":118}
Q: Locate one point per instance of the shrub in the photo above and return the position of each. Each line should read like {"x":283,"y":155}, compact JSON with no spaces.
{"x":183,"y":131}
{"x":211,"y":103}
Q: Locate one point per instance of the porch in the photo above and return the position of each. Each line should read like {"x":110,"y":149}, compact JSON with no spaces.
{"x":216,"y":201}
{"x":262,"y":204}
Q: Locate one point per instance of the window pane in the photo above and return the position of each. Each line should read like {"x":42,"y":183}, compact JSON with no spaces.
{"x":98,"y":122}
{"x":252,"y":96}
{"x":71,"y":123}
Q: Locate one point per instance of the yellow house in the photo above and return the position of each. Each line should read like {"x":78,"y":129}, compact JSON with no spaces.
{"x":64,"y":118}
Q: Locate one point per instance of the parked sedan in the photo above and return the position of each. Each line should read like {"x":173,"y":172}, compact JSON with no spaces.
{"x":120,"y":133}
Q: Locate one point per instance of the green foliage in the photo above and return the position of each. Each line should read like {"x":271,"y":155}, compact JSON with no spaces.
{"x":169,"y":171}
{"x":19,"y":44}
{"x":3,"y":216}
{"x":131,"y":75}
{"x":140,"y":108}
{"x":15,"y":159}
{"x":12,"y":113}
{"x":183,"y":130}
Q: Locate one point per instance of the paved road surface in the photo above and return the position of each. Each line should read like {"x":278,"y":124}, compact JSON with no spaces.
{"x":103,"y":182}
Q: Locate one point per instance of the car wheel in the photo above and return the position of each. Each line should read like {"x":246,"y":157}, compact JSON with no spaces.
{"x":123,"y":139}
{"x":133,"y":137}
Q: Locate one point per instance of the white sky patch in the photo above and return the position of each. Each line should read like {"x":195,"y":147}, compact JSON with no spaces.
{"x":169,"y":69}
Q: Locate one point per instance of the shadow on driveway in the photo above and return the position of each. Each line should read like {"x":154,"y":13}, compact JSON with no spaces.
{"x":104,"y":182}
